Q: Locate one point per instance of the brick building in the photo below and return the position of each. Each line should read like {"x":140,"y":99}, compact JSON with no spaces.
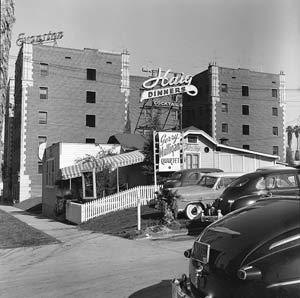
{"x":63,"y":95}
{"x":239,"y":107}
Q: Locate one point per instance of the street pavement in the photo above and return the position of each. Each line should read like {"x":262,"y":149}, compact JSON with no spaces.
{"x":87,"y":264}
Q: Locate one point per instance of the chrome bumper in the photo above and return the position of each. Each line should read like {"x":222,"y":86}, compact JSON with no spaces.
{"x":179,"y":290}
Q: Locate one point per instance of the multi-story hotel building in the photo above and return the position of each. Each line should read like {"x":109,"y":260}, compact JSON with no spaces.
{"x":63,"y":95}
{"x":239,"y":107}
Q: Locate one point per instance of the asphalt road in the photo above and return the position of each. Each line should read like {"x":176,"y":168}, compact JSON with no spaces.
{"x":94,"y":265}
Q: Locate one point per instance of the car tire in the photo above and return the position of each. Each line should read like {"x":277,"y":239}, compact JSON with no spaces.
{"x":192,"y":210}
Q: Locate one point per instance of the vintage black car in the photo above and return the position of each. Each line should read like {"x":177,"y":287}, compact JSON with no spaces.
{"x":187,"y":177}
{"x":253,"y":186}
{"x":253,"y":252}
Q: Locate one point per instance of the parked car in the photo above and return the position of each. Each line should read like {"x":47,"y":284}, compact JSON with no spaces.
{"x":249,"y":253}
{"x":253,"y":186}
{"x":187,"y":177}
{"x":193,"y":199}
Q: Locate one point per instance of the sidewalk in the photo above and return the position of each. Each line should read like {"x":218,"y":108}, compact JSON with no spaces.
{"x":61,"y":231}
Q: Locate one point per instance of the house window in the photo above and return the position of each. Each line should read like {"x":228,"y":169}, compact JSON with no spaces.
{"x":246,"y":130}
{"x":91,"y":120}
{"x":274,"y":92}
{"x":275,"y":150}
{"x":247,"y":147}
{"x":43,"y":92}
{"x":245,"y":109}
{"x":90,"y":141}
{"x":224,"y":107}
{"x":224,"y":127}
{"x":175,"y":115}
{"x":44,"y":67}
{"x":274,"y":111}
{"x":50,"y":172}
{"x":42,"y":117}
{"x":192,"y":139}
{"x":90,"y":96}
{"x":192,"y":161}
{"x":245,"y":91}
{"x":224,"y":88}
{"x":275,"y":131}
{"x":91,"y":74}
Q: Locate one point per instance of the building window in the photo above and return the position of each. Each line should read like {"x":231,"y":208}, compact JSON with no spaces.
{"x":91,"y":74}
{"x":274,"y":111}
{"x":90,"y":96}
{"x":175,"y":115}
{"x":224,"y":127}
{"x":246,"y":130}
{"x":224,"y":107}
{"x":40,"y":167}
{"x":245,"y":109}
{"x":43,"y":92}
{"x":90,"y":141}
{"x":91,"y":120}
{"x":274,"y":92}
{"x":224,"y":88}
{"x":245,"y":91}
{"x":42,"y":117}
{"x":44,"y":67}
{"x":50,"y":172}
{"x":275,"y":150}
{"x":192,"y":161}
{"x":192,"y":139}
{"x":247,"y":147}
{"x":275,"y":131}
{"x":42,"y":140}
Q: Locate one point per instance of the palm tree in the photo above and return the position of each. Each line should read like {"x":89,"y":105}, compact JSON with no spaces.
{"x":290,"y":131}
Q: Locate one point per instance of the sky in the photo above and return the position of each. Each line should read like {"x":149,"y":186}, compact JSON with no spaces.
{"x":181,"y":35}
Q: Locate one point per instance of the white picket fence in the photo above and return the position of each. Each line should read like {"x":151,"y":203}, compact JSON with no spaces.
{"x":79,"y":213}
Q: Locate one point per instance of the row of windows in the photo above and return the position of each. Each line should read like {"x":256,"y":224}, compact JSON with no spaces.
{"x":245,"y":90}
{"x":246,"y":129}
{"x":89,"y":119}
{"x":246,"y":109}
{"x":90,"y":95}
{"x":91,"y":73}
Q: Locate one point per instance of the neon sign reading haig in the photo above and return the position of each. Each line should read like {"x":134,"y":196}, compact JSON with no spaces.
{"x":173,"y":85}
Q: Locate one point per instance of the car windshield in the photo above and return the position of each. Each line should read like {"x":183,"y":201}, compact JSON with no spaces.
{"x":208,"y":181}
{"x":176,"y":176}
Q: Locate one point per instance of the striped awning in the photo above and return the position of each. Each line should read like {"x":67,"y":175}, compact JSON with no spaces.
{"x":113,"y":162}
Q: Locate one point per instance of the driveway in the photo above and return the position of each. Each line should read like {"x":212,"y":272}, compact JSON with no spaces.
{"x":86,"y":264}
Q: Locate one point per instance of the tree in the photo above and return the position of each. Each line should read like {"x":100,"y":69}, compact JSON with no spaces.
{"x":296,"y":131}
{"x":289,"y":131}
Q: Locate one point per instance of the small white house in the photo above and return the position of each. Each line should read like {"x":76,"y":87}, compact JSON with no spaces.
{"x":62,"y":172}
{"x":200,"y":150}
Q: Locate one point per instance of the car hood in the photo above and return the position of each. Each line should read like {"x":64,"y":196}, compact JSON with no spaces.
{"x":238,"y":233}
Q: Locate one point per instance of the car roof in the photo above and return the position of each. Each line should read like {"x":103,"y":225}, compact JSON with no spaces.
{"x":225,"y":174}
{"x":271,"y":171}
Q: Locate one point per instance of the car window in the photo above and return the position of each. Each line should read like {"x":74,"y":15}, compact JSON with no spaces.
{"x":260,"y":184}
{"x":207,"y":181}
{"x":286,"y":181}
{"x":270,"y":182}
{"x":194,"y":176}
{"x":228,"y":180}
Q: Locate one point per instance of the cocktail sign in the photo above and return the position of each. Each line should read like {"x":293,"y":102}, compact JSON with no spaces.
{"x":48,"y":37}
{"x":177,"y":84}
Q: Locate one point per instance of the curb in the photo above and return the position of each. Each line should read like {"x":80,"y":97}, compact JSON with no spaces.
{"x":164,"y":235}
